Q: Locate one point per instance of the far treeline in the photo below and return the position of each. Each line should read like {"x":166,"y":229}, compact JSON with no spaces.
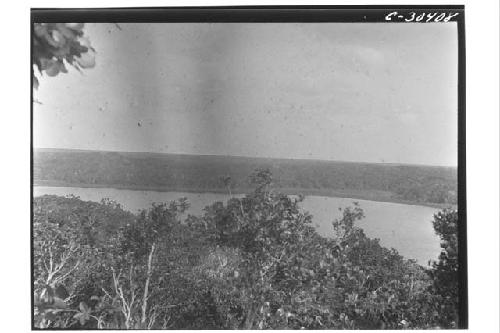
{"x":413,"y":184}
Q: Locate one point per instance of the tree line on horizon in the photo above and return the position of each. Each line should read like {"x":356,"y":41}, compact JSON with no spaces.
{"x":415,"y":184}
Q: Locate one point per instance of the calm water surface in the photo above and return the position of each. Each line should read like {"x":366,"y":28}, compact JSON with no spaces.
{"x":406,"y":228}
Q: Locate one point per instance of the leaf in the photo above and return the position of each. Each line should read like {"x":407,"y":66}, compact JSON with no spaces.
{"x":84,"y":315}
{"x":86,"y":60}
{"x":49,"y":315}
{"x":83,"y":307}
{"x":40,"y":30}
{"x":62,"y":68}
{"x":75,"y":26}
{"x":61,"y":292}
{"x":58,"y":37}
{"x":59,"y":303}
{"x":80,"y":317}
{"x":52,"y":68}
{"x":66,"y":31}
{"x":35,"y":82}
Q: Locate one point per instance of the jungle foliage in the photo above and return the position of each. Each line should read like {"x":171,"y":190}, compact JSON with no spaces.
{"x":254,"y":262}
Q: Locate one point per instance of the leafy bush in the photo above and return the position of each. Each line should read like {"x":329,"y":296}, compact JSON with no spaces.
{"x":445,"y":270}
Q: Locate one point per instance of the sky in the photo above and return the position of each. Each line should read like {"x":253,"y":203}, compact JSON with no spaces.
{"x":364,"y":92}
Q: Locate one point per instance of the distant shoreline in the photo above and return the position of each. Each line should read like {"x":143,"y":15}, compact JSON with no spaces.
{"x":378,"y":196}
{"x":242,"y":157}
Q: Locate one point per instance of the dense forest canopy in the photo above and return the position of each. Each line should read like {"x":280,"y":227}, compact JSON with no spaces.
{"x":168,"y":172}
{"x":254,"y":262}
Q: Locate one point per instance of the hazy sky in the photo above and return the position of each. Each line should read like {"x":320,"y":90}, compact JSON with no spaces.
{"x":336,"y":91}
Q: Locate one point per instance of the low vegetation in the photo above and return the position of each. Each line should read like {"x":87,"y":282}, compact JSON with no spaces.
{"x":166,"y":172}
{"x":254,"y":262}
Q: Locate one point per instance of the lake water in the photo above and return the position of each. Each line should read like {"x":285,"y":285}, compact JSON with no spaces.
{"x":407,"y":228}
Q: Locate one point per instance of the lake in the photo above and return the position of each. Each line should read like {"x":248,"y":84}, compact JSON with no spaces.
{"x":407,"y":228}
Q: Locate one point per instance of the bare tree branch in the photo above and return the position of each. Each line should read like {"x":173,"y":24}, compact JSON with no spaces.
{"x":146,"y":286}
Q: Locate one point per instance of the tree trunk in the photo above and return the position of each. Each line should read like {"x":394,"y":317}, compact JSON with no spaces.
{"x":249,"y":318}
{"x":146,"y":286}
